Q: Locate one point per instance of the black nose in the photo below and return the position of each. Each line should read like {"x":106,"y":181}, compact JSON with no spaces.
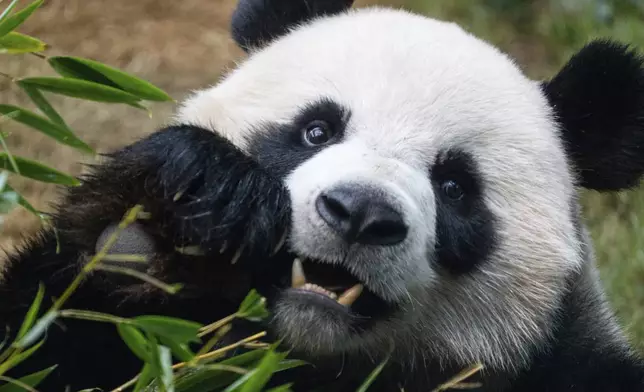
{"x":361,"y":215}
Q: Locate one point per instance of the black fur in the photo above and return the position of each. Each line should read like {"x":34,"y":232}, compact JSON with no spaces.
{"x":226,"y":197}
{"x":255,"y":23}
{"x":598,"y":98}
{"x":280,"y":148}
{"x":465,"y":227}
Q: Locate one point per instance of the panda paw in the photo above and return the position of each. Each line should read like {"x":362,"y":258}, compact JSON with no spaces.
{"x":202,"y":197}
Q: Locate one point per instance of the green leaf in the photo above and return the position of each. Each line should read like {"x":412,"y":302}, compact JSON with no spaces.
{"x":253,"y":307}
{"x":263,"y":372}
{"x":372,"y":376}
{"x":16,"y":43}
{"x":23,"y":202}
{"x":12,"y":161}
{"x":167,"y":374}
{"x":169,"y":288}
{"x":135,"y":340}
{"x":17,"y":359}
{"x":147,"y":374}
{"x":281,"y":388}
{"x":181,"y":351}
{"x":207,"y":379}
{"x":37,"y":171}
{"x":31,"y":380}
{"x":8,"y":200}
{"x":7,"y":10}
{"x":41,"y":102}
{"x":32,"y":312}
{"x":10,"y":23}
{"x":290,"y":364}
{"x":4,"y":176}
{"x":39,"y":328}
{"x":55,"y":131}
{"x":94,"y":71}
{"x":240,"y":381}
{"x":83,"y":89}
{"x":181,"y":331}
{"x":93,"y":316}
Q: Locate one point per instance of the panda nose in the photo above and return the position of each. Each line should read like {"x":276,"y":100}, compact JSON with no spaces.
{"x":361,"y":215}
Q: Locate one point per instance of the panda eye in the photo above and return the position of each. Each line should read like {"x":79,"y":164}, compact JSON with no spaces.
{"x":317,"y":133}
{"x":452,"y":190}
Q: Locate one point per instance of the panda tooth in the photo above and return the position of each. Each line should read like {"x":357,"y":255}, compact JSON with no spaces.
{"x":280,"y":244}
{"x":297,"y":274}
{"x":351,"y":295}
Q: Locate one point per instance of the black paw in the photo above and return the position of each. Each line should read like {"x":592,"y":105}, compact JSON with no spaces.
{"x":214,"y":199}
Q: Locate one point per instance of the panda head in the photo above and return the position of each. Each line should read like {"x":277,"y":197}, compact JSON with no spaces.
{"x":427,"y":174}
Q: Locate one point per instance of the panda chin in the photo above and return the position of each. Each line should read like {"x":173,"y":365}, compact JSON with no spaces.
{"x":325,"y":307}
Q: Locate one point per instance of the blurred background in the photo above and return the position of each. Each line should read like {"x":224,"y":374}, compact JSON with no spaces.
{"x":185,"y":45}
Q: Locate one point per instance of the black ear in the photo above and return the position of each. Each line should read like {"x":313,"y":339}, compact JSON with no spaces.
{"x":598,"y":97}
{"x":257,"y":22}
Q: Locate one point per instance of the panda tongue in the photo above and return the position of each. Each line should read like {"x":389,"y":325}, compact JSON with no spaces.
{"x":298,"y":280}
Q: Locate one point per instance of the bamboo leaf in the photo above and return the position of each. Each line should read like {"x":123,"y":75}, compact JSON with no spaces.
{"x":31,"y":380}
{"x":181,"y":351}
{"x":17,"y":359}
{"x":147,"y":374}
{"x":55,"y":131}
{"x":94,"y":71}
{"x":41,"y":102}
{"x":206,"y":379}
{"x":372,"y":376}
{"x":16,"y":43}
{"x":8,"y":200}
{"x":168,"y":288}
{"x":264,"y":371}
{"x":9,"y":23}
{"x":32,"y":312}
{"x":37,"y":171}
{"x":181,"y":331}
{"x":83,"y":89}
{"x":253,"y":307}
{"x":135,"y":340}
{"x":7,"y":10}
{"x":167,"y":374}
{"x":23,"y":202}
{"x":281,"y":388}
{"x":12,"y":160}
{"x":39,"y":328}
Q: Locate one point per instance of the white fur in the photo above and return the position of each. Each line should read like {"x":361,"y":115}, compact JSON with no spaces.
{"x":415,"y":87}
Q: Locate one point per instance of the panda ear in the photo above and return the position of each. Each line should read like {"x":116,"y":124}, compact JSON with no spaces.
{"x":257,"y":22}
{"x":598,"y":98}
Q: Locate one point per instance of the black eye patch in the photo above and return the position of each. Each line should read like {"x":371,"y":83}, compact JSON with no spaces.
{"x":464,"y":225}
{"x":280,"y":148}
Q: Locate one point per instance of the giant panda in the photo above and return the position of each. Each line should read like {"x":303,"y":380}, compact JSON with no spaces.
{"x":395,"y":187}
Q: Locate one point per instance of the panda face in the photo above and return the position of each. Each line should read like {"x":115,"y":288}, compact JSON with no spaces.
{"x":426,"y":175}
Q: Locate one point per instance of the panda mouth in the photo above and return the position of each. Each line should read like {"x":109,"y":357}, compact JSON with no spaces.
{"x":333,"y":288}
{"x":328,"y":280}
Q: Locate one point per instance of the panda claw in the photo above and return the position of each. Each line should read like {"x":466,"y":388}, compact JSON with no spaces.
{"x":237,"y":255}
{"x":223,"y":247}
{"x":280,"y":244}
